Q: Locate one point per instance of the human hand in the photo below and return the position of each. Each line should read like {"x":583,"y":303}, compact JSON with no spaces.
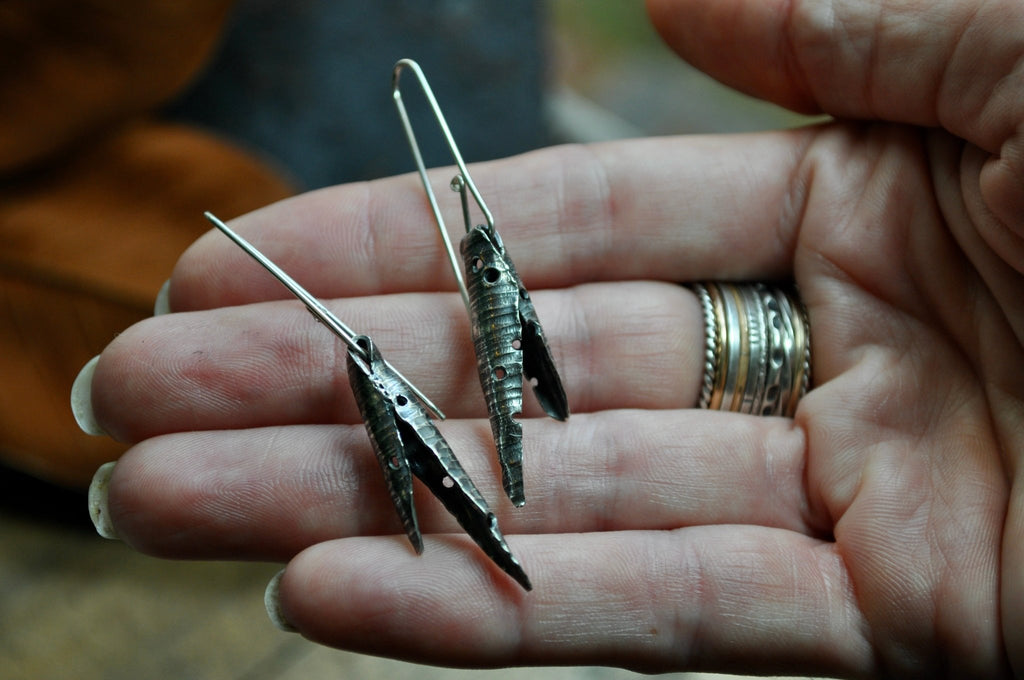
{"x":878,"y":532}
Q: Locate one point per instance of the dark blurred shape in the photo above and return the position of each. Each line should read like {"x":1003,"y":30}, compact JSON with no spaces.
{"x":30,"y":497}
{"x":306,"y":83}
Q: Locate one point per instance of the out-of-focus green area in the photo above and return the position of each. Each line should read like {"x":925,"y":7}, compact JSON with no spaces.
{"x":610,"y":26}
{"x":611,"y":75}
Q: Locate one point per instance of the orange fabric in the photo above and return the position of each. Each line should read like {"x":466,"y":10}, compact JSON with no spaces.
{"x":97,"y":200}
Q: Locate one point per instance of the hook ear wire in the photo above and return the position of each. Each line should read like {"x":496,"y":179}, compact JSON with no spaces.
{"x":396,"y":92}
{"x":460,"y":183}
{"x":316,"y":308}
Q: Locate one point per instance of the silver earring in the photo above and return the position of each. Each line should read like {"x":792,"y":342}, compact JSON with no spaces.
{"x":507,"y":336}
{"x":404,"y":439}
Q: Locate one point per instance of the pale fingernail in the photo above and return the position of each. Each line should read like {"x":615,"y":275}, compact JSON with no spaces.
{"x":163,"y":300}
{"x":272,"y":601}
{"x":99,"y":509}
{"x":81,"y":399}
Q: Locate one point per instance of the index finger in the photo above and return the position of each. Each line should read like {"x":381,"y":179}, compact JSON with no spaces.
{"x":671,"y":209}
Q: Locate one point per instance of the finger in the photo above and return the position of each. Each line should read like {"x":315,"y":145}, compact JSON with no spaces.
{"x":1012,"y":593}
{"x":672,"y":210}
{"x":268,"y":493}
{"x":708,"y":598}
{"x":635,"y":345}
{"x":911,"y":62}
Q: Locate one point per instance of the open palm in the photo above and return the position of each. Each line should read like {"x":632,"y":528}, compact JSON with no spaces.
{"x":880,"y":531}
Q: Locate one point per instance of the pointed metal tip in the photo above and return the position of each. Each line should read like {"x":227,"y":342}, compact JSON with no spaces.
{"x":217,"y":222}
{"x":521,"y":578}
{"x":512,"y":482}
{"x":551,"y":398}
{"x":417,"y":543}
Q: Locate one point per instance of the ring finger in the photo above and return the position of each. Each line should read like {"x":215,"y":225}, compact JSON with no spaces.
{"x":268,"y":493}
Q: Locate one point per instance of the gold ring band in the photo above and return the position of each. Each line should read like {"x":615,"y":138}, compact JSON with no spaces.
{"x":757,"y":356}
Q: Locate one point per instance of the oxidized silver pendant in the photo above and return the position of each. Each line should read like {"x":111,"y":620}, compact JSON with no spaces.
{"x":510,"y":346}
{"x":408,"y":443}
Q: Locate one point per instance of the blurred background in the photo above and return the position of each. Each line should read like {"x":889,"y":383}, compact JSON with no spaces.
{"x":119,"y":125}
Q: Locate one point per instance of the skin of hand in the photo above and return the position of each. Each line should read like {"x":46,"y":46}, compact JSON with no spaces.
{"x":878,"y":533}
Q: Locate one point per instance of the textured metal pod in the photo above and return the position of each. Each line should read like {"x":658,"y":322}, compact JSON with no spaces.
{"x":376,"y":392}
{"x":406,"y":441}
{"x":433,"y":461}
{"x":508,"y":340}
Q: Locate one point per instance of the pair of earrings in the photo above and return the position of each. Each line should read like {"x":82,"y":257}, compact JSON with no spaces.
{"x":510,"y":346}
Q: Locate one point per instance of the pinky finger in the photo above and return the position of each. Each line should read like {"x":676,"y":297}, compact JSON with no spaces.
{"x":726,"y":598}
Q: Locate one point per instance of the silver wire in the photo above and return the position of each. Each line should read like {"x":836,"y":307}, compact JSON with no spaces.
{"x":464,"y":176}
{"x":315,"y":307}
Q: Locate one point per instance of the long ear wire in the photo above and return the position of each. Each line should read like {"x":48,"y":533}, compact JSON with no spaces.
{"x":462,"y":182}
{"x":315,"y":307}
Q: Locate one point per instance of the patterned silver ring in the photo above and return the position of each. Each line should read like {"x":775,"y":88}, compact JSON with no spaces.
{"x":757,"y":356}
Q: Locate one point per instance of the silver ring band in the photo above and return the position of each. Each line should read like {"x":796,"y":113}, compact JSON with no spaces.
{"x":757,"y":356}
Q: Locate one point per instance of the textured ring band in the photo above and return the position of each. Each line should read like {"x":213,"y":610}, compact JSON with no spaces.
{"x":757,"y":356}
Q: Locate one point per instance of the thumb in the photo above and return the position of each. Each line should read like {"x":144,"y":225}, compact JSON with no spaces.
{"x":936,"y":63}
{"x":954,"y":64}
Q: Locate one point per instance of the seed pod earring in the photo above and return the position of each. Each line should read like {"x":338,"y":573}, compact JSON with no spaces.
{"x":507,"y":335}
{"x":404,"y":439}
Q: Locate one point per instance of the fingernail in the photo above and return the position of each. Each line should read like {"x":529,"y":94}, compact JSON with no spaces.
{"x":272,"y":601}
{"x":163,"y":300}
{"x":99,"y":510}
{"x":81,"y":399}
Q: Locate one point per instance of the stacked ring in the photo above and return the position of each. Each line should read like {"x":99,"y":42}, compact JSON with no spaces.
{"x":757,"y":356}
